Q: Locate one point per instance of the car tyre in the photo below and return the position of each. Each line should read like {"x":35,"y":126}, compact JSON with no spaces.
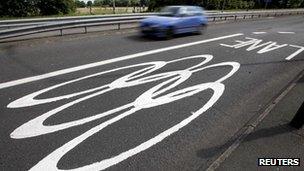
{"x":169,"y":33}
{"x":201,"y":29}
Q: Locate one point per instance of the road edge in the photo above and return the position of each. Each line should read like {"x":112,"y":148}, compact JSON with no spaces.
{"x":254,"y":122}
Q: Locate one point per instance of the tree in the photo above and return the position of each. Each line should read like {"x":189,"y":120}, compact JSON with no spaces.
{"x":98,"y":3}
{"x":23,"y":8}
{"x":114,"y":6}
{"x":80,"y":4}
{"x":53,"y":7}
{"x":18,"y":8}
{"x":121,"y":3}
{"x":143,"y":4}
{"x":89,"y":4}
{"x":134,"y":3}
{"x":295,"y":3}
{"x":156,"y":4}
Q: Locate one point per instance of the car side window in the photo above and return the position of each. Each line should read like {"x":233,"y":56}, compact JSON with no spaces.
{"x":190,"y":11}
{"x":183,"y":11}
{"x":201,"y":11}
{"x":193,"y":11}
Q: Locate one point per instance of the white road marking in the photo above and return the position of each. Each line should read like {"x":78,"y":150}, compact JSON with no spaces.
{"x":264,"y":47}
{"x":286,"y":32}
{"x":300,"y":50}
{"x":100,"y":63}
{"x":259,"y":32}
{"x":271,"y":47}
{"x":256,"y":43}
{"x":153,"y":97}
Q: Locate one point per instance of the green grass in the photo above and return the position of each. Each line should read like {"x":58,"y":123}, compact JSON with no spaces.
{"x":83,"y":12}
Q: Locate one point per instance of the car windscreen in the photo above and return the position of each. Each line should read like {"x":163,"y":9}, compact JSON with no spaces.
{"x":169,"y":11}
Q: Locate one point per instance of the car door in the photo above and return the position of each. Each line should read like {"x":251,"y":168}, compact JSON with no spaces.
{"x":193,"y":18}
{"x":183,"y":20}
{"x":188,"y":20}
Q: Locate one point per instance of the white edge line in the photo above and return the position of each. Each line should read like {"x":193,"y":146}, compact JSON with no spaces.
{"x":286,"y":32}
{"x":301,"y":49}
{"x":100,"y":63}
{"x":259,"y":32}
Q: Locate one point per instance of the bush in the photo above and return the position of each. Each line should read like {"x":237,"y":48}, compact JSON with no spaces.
{"x":18,"y":8}
{"x":23,"y":8}
{"x":229,"y":4}
{"x":53,"y":7}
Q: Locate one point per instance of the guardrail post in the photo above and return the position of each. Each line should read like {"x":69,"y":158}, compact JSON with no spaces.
{"x":298,"y":120}
{"x":85,"y":29}
{"x":110,"y":21}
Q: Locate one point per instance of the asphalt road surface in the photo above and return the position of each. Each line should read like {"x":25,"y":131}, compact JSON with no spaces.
{"x":118,"y":101}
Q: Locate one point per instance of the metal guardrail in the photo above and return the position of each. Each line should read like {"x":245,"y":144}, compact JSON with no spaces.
{"x":8,"y":24}
{"x":36,"y":21}
{"x":119,"y":20}
{"x":68,"y":25}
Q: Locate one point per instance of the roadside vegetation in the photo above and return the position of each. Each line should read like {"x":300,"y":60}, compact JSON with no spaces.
{"x":40,"y":8}
{"x":109,"y":10}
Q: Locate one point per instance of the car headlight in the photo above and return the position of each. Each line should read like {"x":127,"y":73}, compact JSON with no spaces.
{"x":155,"y":26}
{"x":143,"y":24}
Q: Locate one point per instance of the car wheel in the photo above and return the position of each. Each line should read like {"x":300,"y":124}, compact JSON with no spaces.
{"x":201,"y":29}
{"x":169,"y":33}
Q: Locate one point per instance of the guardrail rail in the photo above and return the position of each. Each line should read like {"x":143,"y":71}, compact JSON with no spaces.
{"x":59,"y":24}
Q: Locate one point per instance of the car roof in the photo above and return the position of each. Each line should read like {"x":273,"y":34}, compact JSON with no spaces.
{"x":187,"y":6}
{"x":182,"y":6}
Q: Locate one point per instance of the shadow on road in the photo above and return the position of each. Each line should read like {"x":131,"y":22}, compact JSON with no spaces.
{"x":301,"y":80}
{"x":273,"y":62}
{"x":142,"y":38}
{"x":262,"y":133}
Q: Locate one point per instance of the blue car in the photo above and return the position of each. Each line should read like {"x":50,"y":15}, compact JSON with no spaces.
{"x":175,"y":20}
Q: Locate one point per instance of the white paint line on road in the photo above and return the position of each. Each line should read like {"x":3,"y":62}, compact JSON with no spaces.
{"x":301,"y":49}
{"x":100,"y":63}
{"x":259,"y":32}
{"x":264,"y":47}
{"x":286,"y":32}
{"x":158,"y":95}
